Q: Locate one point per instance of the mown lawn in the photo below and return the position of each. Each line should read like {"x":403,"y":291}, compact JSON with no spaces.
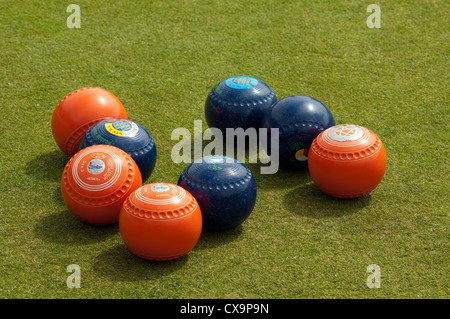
{"x":161,"y":58}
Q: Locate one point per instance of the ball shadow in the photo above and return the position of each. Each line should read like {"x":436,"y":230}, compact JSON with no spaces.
{"x":64,"y":228}
{"x":280,"y":179}
{"x":119,"y":264}
{"x":309,"y":201}
{"x":283,"y":179}
{"x":57,"y":196}
{"x":47,"y":166}
{"x":213,"y":239}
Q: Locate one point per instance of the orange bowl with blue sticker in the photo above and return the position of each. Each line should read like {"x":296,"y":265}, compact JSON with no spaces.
{"x":347,"y":161}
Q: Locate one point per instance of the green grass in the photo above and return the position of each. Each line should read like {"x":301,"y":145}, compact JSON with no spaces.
{"x":161,"y":58}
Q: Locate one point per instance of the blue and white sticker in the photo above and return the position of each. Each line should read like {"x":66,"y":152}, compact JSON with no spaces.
{"x":96,"y":166}
{"x":160,"y":188}
{"x":241,"y":82}
{"x":122,"y":128}
{"x":215,"y":162}
{"x":214,"y":159}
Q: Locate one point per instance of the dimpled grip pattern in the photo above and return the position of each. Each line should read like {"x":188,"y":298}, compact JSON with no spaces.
{"x":96,"y":181}
{"x":224,"y":188}
{"x":347,"y":161}
{"x":160,"y":221}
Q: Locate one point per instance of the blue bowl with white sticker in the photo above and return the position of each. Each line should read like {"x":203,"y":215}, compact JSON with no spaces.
{"x":224,"y":189}
{"x":238,"y":102}
{"x":127,"y":135}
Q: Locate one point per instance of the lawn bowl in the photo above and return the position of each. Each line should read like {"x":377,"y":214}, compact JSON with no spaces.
{"x":160,"y":221}
{"x":299,"y":119}
{"x":127,"y":135}
{"x":238,"y":102}
{"x":78,"y":111}
{"x":347,"y":161}
{"x":96,"y":181}
{"x":224,"y":188}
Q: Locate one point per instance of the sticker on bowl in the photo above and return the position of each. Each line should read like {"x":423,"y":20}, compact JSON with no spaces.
{"x":160,"y":188}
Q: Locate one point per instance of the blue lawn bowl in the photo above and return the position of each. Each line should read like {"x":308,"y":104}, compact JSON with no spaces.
{"x":238,"y":102}
{"x":224,"y":189}
{"x":299,"y":119}
{"x":127,"y":135}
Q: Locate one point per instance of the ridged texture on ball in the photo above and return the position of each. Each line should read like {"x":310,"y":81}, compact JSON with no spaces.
{"x":239,"y":101}
{"x":79,"y":110}
{"x":224,"y":188}
{"x":347,"y":161}
{"x":127,"y":135}
{"x":160,"y":221}
{"x":96,"y":181}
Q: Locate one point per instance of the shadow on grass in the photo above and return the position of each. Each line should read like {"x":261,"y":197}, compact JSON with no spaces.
{"x":64,"y":228}
{"x":57,"y":196}
{"x":309,"y":201}
{"x":119,"y":264}
{"x":47,"y":166}
{"x":214,"y":239}
{"x":282,"y":179}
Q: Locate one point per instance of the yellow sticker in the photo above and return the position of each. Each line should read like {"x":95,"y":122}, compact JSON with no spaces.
{"x":301,"y":155}
{"x":109,"y":127}
{"x":122,"y":128}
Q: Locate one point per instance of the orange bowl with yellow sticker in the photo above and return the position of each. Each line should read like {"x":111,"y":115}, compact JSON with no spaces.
{"x":347,"y":161}
{"x":96,"y":181}
{"x":78,"y":111}
{"x":160,"y":221}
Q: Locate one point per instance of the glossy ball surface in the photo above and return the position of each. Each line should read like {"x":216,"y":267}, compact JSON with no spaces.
{"x":160,"y":221}
{"x":224,"y":188}
{"x":79,"y":110}
{"x":299,"y":119}
{"x":347,"y":161}
{"x":96,"y":181}
{"x":127,"y":135}
{"x":239,"y":101}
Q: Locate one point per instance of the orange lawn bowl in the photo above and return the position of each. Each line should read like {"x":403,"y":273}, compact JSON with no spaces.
{"x":347,"y":161}
{"x":79,"y":110}
{"x":96,"y":181}
{"x":160,"y":221}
